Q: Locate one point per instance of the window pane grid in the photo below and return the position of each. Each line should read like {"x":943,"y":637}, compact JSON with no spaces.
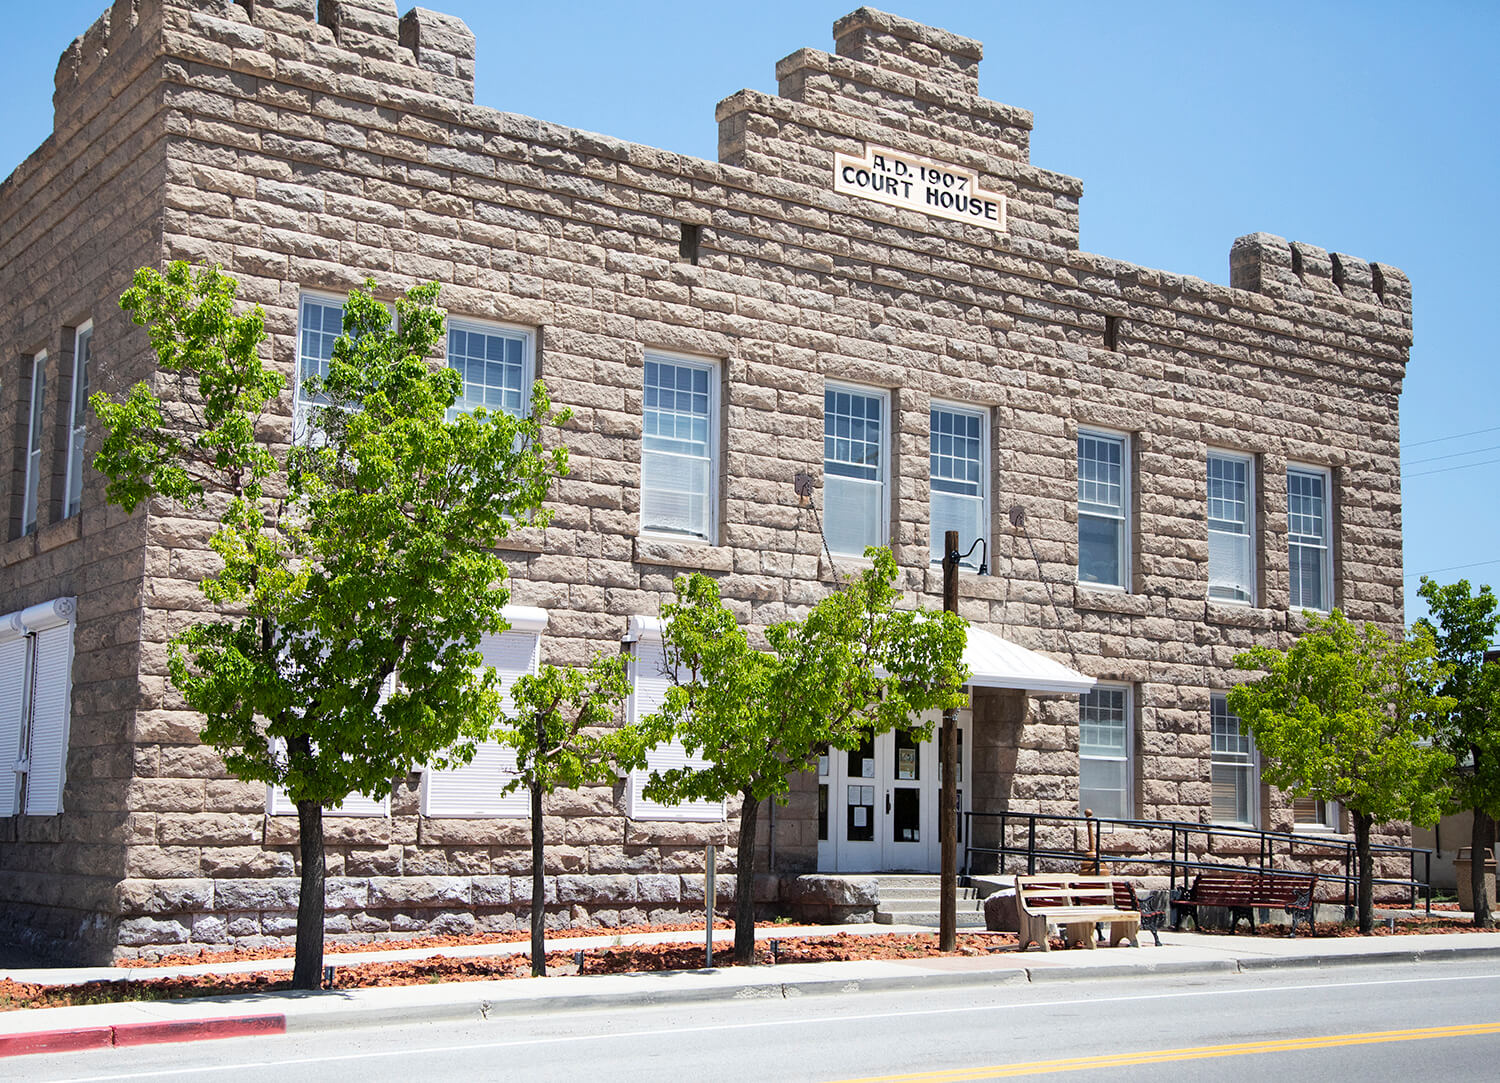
{"x":493,"y":364}
{"x":322,"y":323}
{"x":677,"y":448}
{"x":1101,"y":475}
{"x":1307,"y":541}
{"x":1104,"y":752}
{"x":1229,"y":495}
{"x":852,"y":435}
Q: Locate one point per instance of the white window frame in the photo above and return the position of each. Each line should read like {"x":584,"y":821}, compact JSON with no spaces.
{"x":34,"y":425}
{"x":711,"y":497}
{"x":936,"y":536}
{"x":1325,"y":541}
{"x":83,"y":352}
{"x":303,"y":404}
{"x":1239,"y":593}
{"x":1327,"y":813}
{"x":525,"y":336}
{"x":883,"y":468}
{"x":474,"y":789}
{"x":36,"y":694}
{"x":1245,"y":764}
{"x":1122,"y":516}
{"x":644,"y":643}
{"x":1125,"y":756}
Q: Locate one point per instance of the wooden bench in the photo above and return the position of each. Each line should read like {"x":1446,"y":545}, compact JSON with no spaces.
{"x":1242,"y":893}
{"x":1077,"y":904}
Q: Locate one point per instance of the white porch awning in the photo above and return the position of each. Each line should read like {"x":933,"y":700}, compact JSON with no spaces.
{"x":998,"y":663}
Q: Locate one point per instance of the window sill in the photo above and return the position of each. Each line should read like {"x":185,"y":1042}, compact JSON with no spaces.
{"x":971,"y":584}
{"x":1108,"y":600}
{"x":18,"y":549}
{"x":682,"y":553}
{"x":524,"y":540}
{"x":848,"y":567}
{"x":1240,"y":615}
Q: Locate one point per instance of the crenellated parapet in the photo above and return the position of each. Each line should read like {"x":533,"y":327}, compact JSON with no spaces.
{"x":422,"y":51}
{"x":1291,"y":270}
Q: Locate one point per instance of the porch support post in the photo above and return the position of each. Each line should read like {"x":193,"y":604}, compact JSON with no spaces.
{"x":948,"y":804}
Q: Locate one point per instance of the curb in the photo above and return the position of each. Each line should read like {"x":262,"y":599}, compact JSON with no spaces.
{"x":337,"y":1009}
{"x":127,"y":1034}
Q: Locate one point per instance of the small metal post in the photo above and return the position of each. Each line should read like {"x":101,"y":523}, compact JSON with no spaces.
{"x":775,"y":952}
{"x":708,"y":908}
{"x":578,"y":961}
{"x":328,"y":977}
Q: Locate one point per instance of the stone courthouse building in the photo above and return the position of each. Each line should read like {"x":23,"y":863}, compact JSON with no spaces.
{"x":873,"y":286}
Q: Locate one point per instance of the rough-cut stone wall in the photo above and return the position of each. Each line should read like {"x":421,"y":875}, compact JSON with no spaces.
{"x":76,"y":218}
{"x":307,"y":146}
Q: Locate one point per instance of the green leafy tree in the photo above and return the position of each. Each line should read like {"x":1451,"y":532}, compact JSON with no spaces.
{"x":1345,"y":714}
{"x":1467,"y":624}
{"x":855,"y":665}
{"x":363,"y":552}
{"x":565,"y":735}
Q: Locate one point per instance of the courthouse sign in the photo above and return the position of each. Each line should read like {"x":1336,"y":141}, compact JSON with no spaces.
{"x":918,"y":184}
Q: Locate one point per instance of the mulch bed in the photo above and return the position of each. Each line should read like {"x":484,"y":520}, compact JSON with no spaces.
{"x":620,"y":959}
{"x":624,"y":959}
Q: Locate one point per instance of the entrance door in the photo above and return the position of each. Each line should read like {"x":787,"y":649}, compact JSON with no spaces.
{"x":878,"y":804}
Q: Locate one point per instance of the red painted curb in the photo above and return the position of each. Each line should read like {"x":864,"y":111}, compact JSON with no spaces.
{"x":185,"y":1030}
{"x":56,"y":1041}
{"x":197,"y":1030}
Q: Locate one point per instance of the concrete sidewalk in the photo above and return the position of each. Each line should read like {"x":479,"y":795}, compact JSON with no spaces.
{"x":103,"y":1025}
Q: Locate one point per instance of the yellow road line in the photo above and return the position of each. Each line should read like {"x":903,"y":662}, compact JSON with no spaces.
{"x":1201,"y":1052}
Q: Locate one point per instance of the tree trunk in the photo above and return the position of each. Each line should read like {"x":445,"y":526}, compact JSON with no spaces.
{"x":1481,"y":839}
{"x":308,"y":970}
{"x":538,"y":889}
{"x":1362,"y":824}
{"x":744,"y":884}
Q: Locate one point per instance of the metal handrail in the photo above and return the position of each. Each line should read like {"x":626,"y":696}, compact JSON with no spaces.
{"x":1268,"y":845}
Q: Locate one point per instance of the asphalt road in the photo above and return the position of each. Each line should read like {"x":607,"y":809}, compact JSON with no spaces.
{"x":1363,"y":1022}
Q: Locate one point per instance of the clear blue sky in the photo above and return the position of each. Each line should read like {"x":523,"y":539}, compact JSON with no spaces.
{"x":1367,"y":128}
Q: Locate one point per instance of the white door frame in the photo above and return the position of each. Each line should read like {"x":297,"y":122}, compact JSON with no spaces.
{"x":864,"y":797}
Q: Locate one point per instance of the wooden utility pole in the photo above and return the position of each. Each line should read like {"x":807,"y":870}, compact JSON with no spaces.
{"x":948,"y":805}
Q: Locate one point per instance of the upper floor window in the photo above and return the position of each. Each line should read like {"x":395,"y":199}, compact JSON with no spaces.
{"x":1231,"y":494}
{"x":496,"y":364}
{"x":34,"y":442}
{"x":679,"y":483}
{"x":1232,"y":762}
{"x":1104,"y":752}
{"x":855,"y":449}
{"x":1103,"y":510}
{"x":1308,"y":550}
{"x":83,"y":347}
{"x":319,"y":325}
{"x":957,"y":470}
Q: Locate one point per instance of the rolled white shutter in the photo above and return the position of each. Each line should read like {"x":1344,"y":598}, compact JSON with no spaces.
{"x":49,"y":720}
{"x":474,"y":789}
{"x":649,"y":684}
{"x":13,"y":688}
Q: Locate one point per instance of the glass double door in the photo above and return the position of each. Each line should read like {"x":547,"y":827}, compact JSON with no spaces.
{"x":878,"y":804}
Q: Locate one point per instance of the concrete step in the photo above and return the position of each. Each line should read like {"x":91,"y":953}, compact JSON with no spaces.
{"x":931,"y":902}
{"x":891,"y":894}
{"x":907,"y":880}
{"x":966,"y":919}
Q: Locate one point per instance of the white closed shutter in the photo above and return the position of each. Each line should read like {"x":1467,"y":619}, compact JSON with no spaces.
{"x":475,"y":788}
{"x":49,"y":720}
{"x":356,"y":804}
{"x":649,"y":683}
{"x":13,"y":694}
